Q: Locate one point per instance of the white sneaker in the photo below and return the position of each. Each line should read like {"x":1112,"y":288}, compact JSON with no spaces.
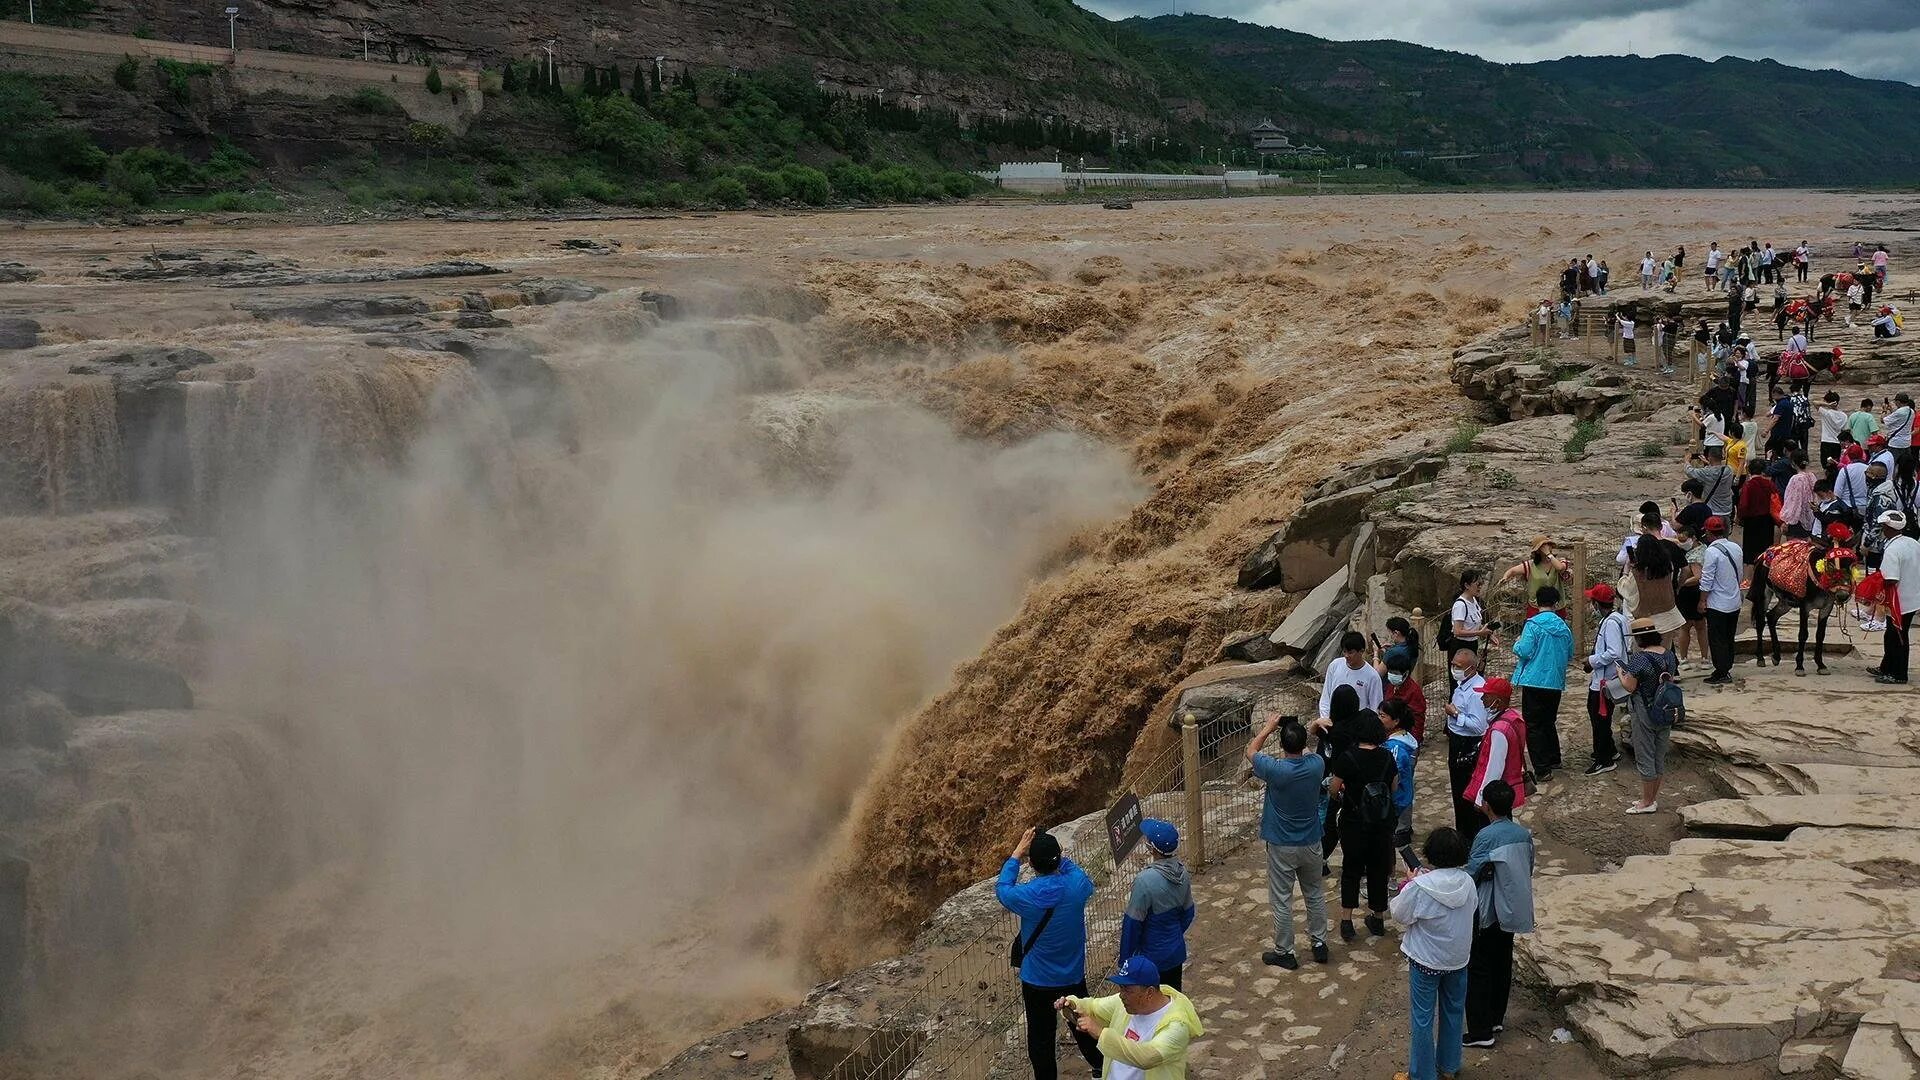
{"x":1650,"y":808}
{"x":1874,"y":627}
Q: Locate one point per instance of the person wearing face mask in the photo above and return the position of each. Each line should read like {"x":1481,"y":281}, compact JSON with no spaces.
{"x":1466,"y":726}
{"x":1396,"y":667}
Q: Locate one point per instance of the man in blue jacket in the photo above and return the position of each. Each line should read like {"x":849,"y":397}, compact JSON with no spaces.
{"x":1160,"y":907}
{"x":1053,"y":943}
{"x":1544,"y":648}
{"x":1502,"y":866}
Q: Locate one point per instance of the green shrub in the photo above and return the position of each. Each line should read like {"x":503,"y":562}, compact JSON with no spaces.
{"x":1652,"y":449}
{"x":957,"y":185}
{"x":616,"y":128}
{"x":806,"y":184}
{"x":126,"y":73}
{"x":92,"y":198}
{"x":766,"y":187}
{"x":139,"y":186}
{"x":242,"y":202}
{"x":728,"y":192}
{"x":171,"y":171}
{"x":178,"y":77}
{"x":589,"y":184}
{"x":852,"y":182}
{"x":1502,"y":479}
{"x":373,"y":102}
{"x":550,"y":191}
{"x":228,"y":164}
{"x":434,"y":85}
{"x":1584,"y":433}
{"x":673,"y":196}
{"x":1462,"y":438}
{"x":897,"y":183}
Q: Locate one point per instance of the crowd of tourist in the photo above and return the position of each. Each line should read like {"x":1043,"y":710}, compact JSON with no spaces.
{"x":1827,"y":511}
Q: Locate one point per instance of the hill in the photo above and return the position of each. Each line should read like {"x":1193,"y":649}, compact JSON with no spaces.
{"x":1618,"y":120}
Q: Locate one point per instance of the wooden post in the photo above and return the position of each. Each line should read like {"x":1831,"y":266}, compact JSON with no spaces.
{"x":1428,"y":643}
{"x":1577,"y":603}
{"x":1196,"y":803}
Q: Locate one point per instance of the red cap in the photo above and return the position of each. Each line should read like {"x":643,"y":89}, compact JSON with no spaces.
{"x":1716,"y":524}
{"x":1876,"y":440}
{"x":1496,"y":688}
{"x":1839,"y":531}
{"x":1601,"y":593}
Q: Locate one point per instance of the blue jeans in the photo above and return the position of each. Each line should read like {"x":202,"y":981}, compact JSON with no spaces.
{"x":1425,"y":990}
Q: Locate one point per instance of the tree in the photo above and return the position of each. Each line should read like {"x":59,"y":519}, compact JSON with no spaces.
{"x":617,"y":128}
{"x":434,"y":85}
{"x":428,"y":136}
{"x":640,"y":85}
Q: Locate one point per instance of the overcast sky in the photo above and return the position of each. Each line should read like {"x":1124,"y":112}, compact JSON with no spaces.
{"x":1871,"y":38}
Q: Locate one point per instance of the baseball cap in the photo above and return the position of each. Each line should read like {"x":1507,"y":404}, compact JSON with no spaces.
{"x":1601,"y":593}
{"x":1136,"y":971}
{"x":1161,"y":834}
{"x":1716,"y":524}
{"x":1876,"y":440}
{"x":1496,"y":688}
{"x":1839,"y":531}
{"x":1894,"y":519}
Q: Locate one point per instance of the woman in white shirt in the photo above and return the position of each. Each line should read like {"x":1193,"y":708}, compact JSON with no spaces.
{"x":1467,"y":619}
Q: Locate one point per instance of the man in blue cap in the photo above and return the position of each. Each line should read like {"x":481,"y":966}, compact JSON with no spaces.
{"x":1160,"y":907}
{"x":1144,"y":1030}
{"x":1051,"y":950}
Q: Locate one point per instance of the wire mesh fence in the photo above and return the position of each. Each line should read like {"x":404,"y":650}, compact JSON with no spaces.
{"x":956,"y":1021}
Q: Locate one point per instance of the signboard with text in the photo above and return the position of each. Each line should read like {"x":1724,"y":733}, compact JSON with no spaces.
{"x":1123,"y":826}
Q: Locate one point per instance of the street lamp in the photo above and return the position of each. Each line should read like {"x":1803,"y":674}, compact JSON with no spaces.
{"x":659,"y":69}
{"x":232,"y":14}
{"x":553,"y":72}
{"x":364,"y":46}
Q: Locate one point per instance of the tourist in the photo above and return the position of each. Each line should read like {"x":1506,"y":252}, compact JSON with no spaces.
{"x":1502,"y":753}
{"x":1702,"y":348}
{"x":1144,"y":1030}
{"x":1720,"y":589}
{"x":1621,"y":557}
{"x":1397,"y":718}
{"x":1352,"y":670}
{"x":1832,"y":420}
{"x":1899,"y":562}
{"x":1337,"y":735}
{"x":1653,"y":574}
{"x":1570,"y":281}
{"x":1686,"y":596}
{"x":1052,"y":943}
{"x":1437,"y":908}
{"x":1796,"y":503}
{"x":1880,"y":267}
{"x":1736,"y":303}
{"x":1363,"y":779}
{"x":1466,"y":621}
{"x":1644,"y":672}
{"x":1802,"y":261}
{"x":1542,"y":320}
{"x":1717,"y":481}
{"x":1897,"y":425}
{"x":1544,"y":648}
{"x":1679,"y":261}
{"x":1691,"y":516}
{"x":1856,"y":298}
{"x":1159,"y":905}
{"x":1626,"y":337}
{"x":1853,"y":489}
{"x":1290,"y":826}
{"x":1466,"y":727}
{"x":1401,"y":639}
{"x":1766,"y":265}
{"x":1541,"y":569}
{"x":1402,"y":687}
{"x":1887,"y":323}
{"x":1880,"y":499}
{"x":1501,"y":865}
{"x":1864,"y":422}
{"x":1647,"y":266}
{"x":1756,"y":507}
{"x":1609,"y":649}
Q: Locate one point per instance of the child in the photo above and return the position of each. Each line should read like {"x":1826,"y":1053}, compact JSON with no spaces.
{"x":1437,"y":907}
{"x":1397,"y":716}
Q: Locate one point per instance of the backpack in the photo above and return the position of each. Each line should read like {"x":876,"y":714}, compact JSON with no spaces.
{"x":1667,"y":705}
{"x":1802,"y":409}
{"x":1375,"y":805}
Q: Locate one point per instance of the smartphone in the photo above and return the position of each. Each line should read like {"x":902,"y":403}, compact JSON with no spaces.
{"x":1407,"y":856}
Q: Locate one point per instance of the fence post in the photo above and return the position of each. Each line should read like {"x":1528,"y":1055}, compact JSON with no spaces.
{"x":1577,"y":603}
{"x":1196,"y":803}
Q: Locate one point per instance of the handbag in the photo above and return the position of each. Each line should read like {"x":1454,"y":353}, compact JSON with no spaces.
{"x":1018,"y":951}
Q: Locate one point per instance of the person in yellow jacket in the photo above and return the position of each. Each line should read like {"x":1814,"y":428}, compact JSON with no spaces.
{"x":1144,"y":1029}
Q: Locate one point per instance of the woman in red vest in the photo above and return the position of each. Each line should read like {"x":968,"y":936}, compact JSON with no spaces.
{"x":1503,"y":752}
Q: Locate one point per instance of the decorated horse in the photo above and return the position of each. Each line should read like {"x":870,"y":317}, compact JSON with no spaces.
{"x":1802,"y":574}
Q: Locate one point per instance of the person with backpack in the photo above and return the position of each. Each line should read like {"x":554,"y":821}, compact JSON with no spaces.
{"x":1364,"y":775}
{"x":1720,"y":571}
{"x":1501,"y":865}
{"x":1609,"y":649}
{"x":1159,"y":905}
{"x":1543,"y":649}
{"x":1051,"y":947}
{"x":1395,"y":716}
{"x":1655,"y":703}
{"x":1503,"y":752}
{"x":1466,"y":626}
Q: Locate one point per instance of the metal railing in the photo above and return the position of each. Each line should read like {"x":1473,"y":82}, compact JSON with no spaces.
{"x":956,"y":1020}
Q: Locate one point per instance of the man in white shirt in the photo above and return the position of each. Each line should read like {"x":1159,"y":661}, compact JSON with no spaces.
{"x":1720,"y":595}
{"x":1853,"y":488}
{"x":1897,"y":426}
{"x":1352,"y":670}
{"x":1713,"y":265}
{"x":1646,"y":272}
{"x":1900,"y":565}
{"x":1467,"y":721}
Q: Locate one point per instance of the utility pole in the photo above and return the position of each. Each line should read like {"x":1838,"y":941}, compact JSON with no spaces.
{"x":553,"y":70}
{"x":232,"y":14}
{"x":29,"y":11}
{"x":364,"y":46}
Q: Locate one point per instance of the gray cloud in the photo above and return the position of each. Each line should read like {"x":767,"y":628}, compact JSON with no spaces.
{"x":1870,"y":38}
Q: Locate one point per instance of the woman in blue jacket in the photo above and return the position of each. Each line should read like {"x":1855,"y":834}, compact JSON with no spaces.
{"x":1544,"y":649}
